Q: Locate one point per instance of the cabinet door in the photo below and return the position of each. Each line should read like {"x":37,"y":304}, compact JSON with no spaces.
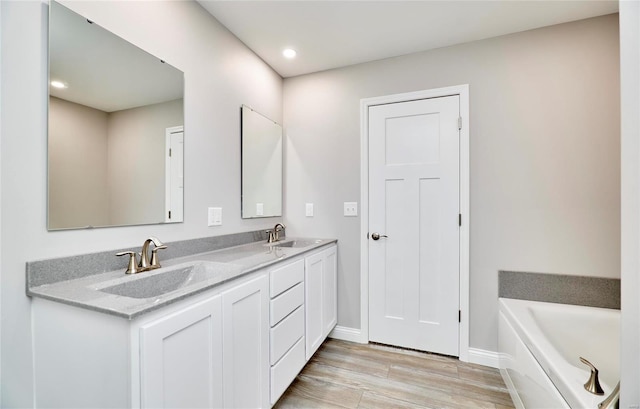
{"x":313,"y":289}
{"x":181,"y":358}
{"x":329,"y":290}
{"x":245,"y":329}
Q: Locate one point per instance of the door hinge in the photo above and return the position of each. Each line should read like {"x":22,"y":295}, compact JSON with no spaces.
{"x":459,"y":219}
{"x":459,"y":316}
{"x":169,"y":152}
{"x":459,"y":122}
{"x":169,"y":214}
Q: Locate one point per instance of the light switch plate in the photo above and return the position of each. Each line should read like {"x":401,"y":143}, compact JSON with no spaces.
{"x":309,"y":209}
{"x":350,"y":209}
{"x":214,"y":216}
{"x":259,"y":209}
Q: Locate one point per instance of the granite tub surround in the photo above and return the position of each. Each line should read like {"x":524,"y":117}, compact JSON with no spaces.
{"x":130,"y":296}
{"x":562,"y":289}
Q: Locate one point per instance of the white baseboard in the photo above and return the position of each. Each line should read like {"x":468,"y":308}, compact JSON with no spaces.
{"x":348,"y":334}
{"x":482,"y":357}
{"x":475,"y":355}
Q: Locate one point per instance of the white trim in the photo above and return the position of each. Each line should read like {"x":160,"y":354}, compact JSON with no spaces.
{"x":167,"y":169}
{"x":517,"y":402}
{"x":463,"y":92}
{"x":483,"y":357}
{"x":348,"y":334}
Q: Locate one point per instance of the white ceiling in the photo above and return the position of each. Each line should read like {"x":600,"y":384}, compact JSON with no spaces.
{"x":102,"y":70}
{"x":329,"y":34}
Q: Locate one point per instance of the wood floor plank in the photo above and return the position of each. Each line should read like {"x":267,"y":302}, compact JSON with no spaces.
{"x":396,"y":356}
{"x":349,"y":375}
{"x":372,"y":400}
{"x":342,"y":359}
{"x":479,"y":373}
{"x":329,"y":393}
{"x":418,"y":395}
{"x":496,"y":394}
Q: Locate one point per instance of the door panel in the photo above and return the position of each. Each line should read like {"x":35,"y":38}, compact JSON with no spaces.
{"x":414,"y":200}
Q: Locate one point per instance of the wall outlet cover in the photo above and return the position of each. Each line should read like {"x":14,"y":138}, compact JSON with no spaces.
{"x":309,"y":209}
{"x":259,"y":209}
{"x":350,"y":209}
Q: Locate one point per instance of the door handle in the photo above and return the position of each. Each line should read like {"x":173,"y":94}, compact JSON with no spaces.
{"x":377,"y":236}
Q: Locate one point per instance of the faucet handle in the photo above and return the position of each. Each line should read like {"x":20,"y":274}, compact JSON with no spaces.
{"x":270,"y":236}
{"x":155,"y":263}
{"x":132,"y":266}
{"x":593,"y":384}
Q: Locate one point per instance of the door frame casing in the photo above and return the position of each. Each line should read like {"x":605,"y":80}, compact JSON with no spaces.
{"x":463,"y":92}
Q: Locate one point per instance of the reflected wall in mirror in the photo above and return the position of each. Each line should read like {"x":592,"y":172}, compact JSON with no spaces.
{"x":261,"y":165}
{"x":115,"y":135}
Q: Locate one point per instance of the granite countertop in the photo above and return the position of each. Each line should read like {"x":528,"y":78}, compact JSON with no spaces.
{"x":182,"y":276}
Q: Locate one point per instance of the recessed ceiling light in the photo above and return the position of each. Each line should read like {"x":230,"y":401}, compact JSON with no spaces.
{"x":289,"y":53}
{"x":58,"y":84}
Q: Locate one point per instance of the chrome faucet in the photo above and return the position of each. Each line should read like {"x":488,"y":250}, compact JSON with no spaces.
{"x":274,"y":235}
{"x":144,"y":256}
{"x":144,"y":265}
{"x":277,"y":229}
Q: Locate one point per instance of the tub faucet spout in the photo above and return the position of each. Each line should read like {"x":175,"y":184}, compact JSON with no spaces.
{"x":613,"y":401}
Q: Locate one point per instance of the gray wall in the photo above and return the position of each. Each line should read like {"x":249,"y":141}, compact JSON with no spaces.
{"x":221,"y":74}
{"x":545,"y":155}
{"x":77,"y":143}
{"x":136,"y":162}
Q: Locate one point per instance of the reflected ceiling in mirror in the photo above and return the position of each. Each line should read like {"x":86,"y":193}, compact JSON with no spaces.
{"x":261,"y":165}
{"x":115,"y":135}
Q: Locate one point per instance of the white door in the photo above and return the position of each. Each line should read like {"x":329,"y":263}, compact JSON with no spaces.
{"x":414,"y":211}
{"x":175,"y":175}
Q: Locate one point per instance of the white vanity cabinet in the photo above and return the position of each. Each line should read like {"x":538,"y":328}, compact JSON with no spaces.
{"x":320,"y":283}
{"x":239,"y":344}
{"x":181,"y":358}
{"x":210,"y":350}
{"x":182,"y":364}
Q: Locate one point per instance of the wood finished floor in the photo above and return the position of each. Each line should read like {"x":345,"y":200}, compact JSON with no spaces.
{"x":348,"y":375}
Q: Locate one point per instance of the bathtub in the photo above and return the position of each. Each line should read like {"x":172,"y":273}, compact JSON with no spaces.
{"x":539,"y":346}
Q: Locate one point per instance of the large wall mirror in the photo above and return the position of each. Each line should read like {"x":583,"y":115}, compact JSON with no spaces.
{"x":261,"y":165}
{"x":115,"y":135}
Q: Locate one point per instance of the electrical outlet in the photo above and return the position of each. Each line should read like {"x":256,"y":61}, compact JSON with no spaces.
{"x":350,"y":209}
{"x":309,"y":209}
{"x":259,"y":209}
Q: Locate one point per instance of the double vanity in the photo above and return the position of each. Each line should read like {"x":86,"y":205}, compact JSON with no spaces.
{"x":225,"y":328}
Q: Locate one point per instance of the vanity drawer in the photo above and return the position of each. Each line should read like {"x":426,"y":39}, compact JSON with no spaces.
{"x":286,"y":333}
{"x":285,"y":371}
{"x":286,"y":277}
{"x":286,"y":302}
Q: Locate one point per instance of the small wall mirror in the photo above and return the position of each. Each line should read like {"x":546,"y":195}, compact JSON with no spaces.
{"x":261,"y":165}
{"x":115,"y":135}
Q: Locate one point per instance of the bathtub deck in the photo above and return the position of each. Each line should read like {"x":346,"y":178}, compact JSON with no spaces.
{"x":348,"y":375}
